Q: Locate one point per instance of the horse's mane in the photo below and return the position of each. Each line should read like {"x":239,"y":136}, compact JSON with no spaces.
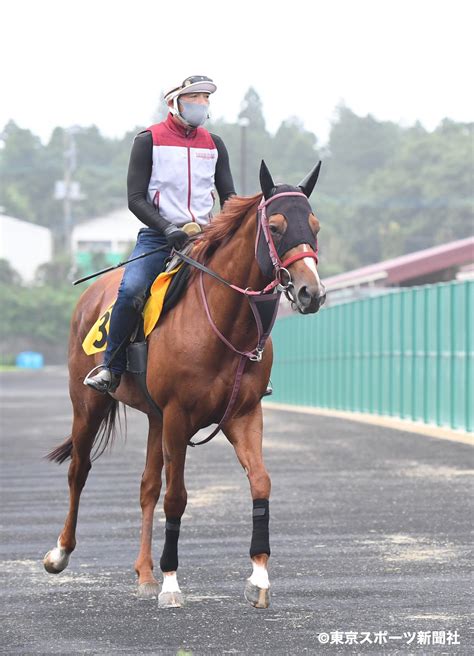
{"x":223,"y":226}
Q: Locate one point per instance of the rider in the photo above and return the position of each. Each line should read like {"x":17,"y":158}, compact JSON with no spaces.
{"x":174,"y":167}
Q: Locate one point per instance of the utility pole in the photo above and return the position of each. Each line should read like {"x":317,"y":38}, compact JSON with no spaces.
{"x":69,"y":167}
{"x":67,"y":189}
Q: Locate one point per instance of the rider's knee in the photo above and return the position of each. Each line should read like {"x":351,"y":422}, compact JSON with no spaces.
{"x":133,"y":297}
{"x":138,"y":301}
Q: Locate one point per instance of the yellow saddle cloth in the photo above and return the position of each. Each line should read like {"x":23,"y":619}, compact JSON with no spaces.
{"x":96,"y":339}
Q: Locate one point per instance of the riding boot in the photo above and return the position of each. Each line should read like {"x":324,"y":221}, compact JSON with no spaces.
{"x":125,"y":315}
{"x":104,"y":382}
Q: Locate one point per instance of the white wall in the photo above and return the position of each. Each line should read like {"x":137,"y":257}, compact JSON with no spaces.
{"x":109,"y":232}
{"x":25,"y":245}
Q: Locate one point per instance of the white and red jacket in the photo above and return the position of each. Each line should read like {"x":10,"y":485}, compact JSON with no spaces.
{"x":182,"y":177}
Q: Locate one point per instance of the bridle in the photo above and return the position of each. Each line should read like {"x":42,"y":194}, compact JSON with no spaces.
{"x":269,"y":296}
{"x":280,"y":268}
{"x":282,"y":280}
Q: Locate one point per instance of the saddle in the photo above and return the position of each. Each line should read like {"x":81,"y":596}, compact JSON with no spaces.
{"x":172,"y":289}
{"x":177,"y":286}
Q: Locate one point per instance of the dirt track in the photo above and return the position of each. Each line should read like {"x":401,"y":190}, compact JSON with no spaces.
{"x":369,"y":532}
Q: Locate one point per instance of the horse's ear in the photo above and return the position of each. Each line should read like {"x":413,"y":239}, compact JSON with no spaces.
{"x":266,"y":181}
{"x":307,"y":184}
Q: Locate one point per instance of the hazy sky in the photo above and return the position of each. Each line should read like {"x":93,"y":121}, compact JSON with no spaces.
{"x":105,"y":62}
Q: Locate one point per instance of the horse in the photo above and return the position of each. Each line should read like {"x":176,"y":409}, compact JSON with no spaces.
{"x":264,"y":244}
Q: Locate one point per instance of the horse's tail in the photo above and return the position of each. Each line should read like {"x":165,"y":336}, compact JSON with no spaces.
{"x":104,"y":437}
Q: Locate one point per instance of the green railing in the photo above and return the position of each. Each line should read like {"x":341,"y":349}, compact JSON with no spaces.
{"x":406,"y":354}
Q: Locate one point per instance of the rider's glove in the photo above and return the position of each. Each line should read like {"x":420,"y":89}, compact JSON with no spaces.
{"x":175,"y":237}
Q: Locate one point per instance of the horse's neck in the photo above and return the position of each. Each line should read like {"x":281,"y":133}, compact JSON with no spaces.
{"x":235,"y":262}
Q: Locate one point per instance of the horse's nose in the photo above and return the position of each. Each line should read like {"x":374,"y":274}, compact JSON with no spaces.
{"x":304,"y":297}
{"x":310,"y":300}
{"x":322,"y":295}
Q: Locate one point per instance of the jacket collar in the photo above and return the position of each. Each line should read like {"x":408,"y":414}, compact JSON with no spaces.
{"x":175,"y":125}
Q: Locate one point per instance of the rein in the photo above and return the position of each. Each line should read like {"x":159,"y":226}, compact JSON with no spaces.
{"x":278,"y":265}
{"x":264,"y":316}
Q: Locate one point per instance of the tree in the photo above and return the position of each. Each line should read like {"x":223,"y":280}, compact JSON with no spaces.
{"x":384,"y":190}
{"x":426,"y":197}
{"x":293,"y":151}
{"x":8,"y":275}
{"x":254,"y":142}
{"x":417,"y":195}
{"x":56,"y":273}
{"x":357,"y":147}
{"x":252,"y":110}
{"x":21,"y":172}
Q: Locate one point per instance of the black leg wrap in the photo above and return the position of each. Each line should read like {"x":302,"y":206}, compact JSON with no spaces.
{"x":260,"y":538}
{"x":169,"y":557}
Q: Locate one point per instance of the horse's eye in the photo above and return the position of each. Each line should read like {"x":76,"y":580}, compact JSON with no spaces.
{"x":273,"y":229}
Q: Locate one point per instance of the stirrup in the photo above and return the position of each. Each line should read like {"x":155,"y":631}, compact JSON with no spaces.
{"x":106,"y":381}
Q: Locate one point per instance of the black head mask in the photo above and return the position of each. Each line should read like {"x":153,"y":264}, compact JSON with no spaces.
{"x":296,"y":210}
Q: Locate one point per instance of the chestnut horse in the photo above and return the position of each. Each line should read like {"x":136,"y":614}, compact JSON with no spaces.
{"x":192,"y":363}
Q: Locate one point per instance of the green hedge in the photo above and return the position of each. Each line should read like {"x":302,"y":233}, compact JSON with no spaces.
{"x":35,"y":318}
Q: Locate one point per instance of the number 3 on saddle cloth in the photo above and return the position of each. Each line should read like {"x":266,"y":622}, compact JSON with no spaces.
{"x":164,"y":294}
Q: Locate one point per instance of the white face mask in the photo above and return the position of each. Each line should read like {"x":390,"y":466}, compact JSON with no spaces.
{"x":194,"y":114}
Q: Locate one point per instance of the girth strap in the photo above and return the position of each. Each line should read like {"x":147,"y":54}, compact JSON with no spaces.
{"x":230,"y":406}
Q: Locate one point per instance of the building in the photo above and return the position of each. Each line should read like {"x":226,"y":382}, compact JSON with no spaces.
{"x":112,"y":235}
{"x":452,"y":261}
{"x":443,"y":263}
{"x":24,"y":245}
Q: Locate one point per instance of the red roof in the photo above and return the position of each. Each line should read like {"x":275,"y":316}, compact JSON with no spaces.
{"x":406,"y":267}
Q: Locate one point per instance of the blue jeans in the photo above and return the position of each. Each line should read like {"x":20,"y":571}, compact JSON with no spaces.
{"x":133,"y":291}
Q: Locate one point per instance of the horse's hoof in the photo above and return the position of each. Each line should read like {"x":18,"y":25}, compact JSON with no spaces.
{"x":56,"y":560}
{"x":258,"y":597}
{"x":53,"y":566}
{"x":170,"y":600}
{"x":149,"y":590}
{"x":49,"y":566}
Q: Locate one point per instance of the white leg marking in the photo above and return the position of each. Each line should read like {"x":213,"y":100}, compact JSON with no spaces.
{"x":170,"y":582}
{"x":170,"y":595}
{"x":259,"y":576}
